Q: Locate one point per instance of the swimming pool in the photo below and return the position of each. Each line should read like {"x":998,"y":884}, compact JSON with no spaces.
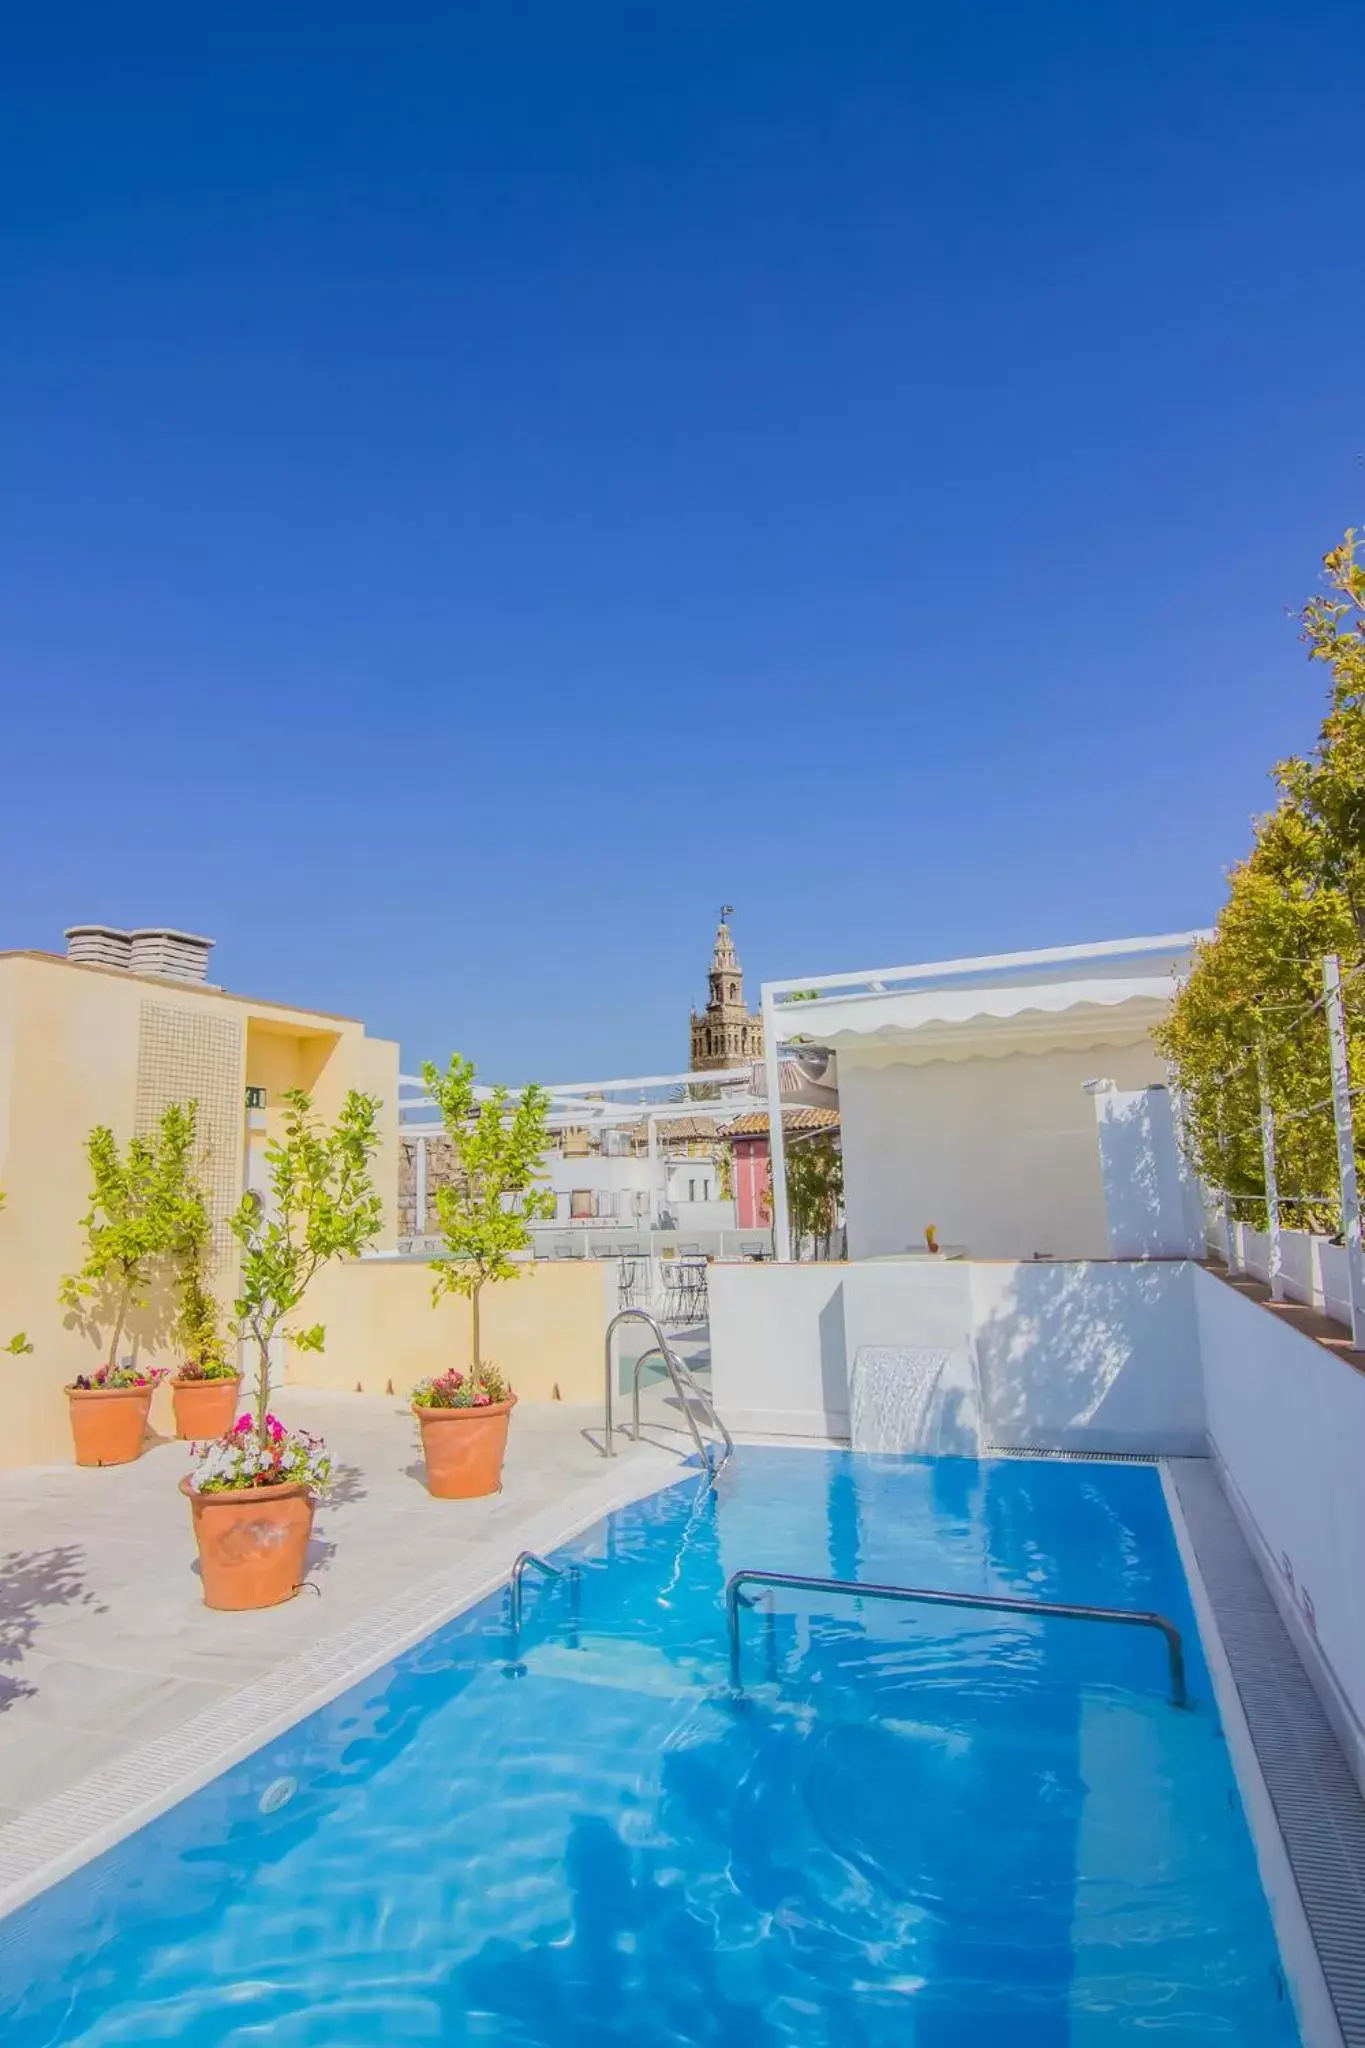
{"x":931,"y":1827}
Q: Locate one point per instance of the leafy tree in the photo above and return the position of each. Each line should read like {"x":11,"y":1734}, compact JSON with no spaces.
{"x":136,"y":1208}
{"x":18,"y":1344}
{"x":199,"y":1318}
{"x":322,"y":1206}
{"x":484,"y":1214}
{"x":1328,"y":787}
{"x":815,"y":1188}
{"x":1250,"y":998}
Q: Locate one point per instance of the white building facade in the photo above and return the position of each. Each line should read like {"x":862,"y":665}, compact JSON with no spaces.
{"x":962,"y":1089}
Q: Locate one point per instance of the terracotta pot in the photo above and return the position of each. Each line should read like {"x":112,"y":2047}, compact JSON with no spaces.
{"x":253,"y":1543}
{"x":464,"y":1448}
{"x":205,"y":1408}
{"x":108,"y":1423}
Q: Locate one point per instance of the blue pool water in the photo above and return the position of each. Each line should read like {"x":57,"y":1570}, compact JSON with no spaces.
{"x":932,"y":1828}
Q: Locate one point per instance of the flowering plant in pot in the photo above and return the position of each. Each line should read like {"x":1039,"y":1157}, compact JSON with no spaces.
{"x":483,"y":1216}
{"x":239,"y":1459}
{"x":252,"y":1491}
{"x":135,"y":1210}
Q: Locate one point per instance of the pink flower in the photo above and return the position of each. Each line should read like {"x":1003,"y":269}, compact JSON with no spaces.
{"x":242,"y":1425}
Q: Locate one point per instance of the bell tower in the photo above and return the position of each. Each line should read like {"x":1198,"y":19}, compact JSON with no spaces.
{"x":725,"y":1035}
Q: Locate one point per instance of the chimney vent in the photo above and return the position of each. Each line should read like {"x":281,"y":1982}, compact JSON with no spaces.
{"x":180,"y":956}
{"x":99,"y":945}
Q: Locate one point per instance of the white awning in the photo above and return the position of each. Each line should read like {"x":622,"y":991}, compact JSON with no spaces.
{"x":987,"y":1021}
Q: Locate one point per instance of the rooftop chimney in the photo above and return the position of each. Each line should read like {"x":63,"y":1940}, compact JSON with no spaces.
{"x":176,"y":956}
{"x":99,"y":945}
{"x":180,"y":956}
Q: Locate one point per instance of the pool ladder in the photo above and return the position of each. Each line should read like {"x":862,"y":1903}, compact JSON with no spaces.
{"x":684,"y":1386}
{"x":926,"y":1596}
{"x":516,"y":1597}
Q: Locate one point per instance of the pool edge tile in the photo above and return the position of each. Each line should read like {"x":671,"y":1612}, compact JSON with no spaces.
{"x":1287,"y":1831}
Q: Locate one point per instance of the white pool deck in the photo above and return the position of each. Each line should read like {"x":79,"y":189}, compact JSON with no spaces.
{"x":120,"y":1691}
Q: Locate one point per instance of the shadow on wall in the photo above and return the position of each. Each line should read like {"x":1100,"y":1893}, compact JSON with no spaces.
{"x":834,"y":1365}
{"x":1148,"y":1209}
{"x":1132,"y":1185}
{"x":30,"y":1582}
{"x":149,"y":1327}
{"x":1094,"y":1356}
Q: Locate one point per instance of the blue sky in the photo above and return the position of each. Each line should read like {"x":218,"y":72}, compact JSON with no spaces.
{"x":484,"y":484}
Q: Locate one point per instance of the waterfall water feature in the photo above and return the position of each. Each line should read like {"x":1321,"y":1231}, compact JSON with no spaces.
{"x":913,"y":1398}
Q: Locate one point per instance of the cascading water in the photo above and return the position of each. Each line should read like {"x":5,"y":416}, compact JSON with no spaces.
{"x":913,"y":1398}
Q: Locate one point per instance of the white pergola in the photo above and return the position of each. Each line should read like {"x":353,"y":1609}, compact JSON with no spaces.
{"x":648,"y":1099}
{"x":966,"y":997}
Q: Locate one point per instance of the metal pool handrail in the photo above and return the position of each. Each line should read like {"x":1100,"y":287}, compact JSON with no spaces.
{"x":516,"y":1590}
{"x":683,"y":1383}
{"x":516,"y":1598}
{"x":927,"y":1596}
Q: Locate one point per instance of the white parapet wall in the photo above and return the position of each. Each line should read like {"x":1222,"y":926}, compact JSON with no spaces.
{"x":1313,"y":1269}
{"x":1151,"y":1197}
{"x":1098,"y":1355}
{"x":1087,"y":1355}
{"x":778,"y":1362}
{"x":1286,"y":1422}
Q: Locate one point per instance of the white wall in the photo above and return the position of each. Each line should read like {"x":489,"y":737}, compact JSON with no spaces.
{"x":999,"y":1154}
{"x":778,"y":1364}
{"x":1313,"y":1270}
{"x":626,"y":1176}
{"x":1097,"y":1356}
{"x":1149,"y":1193}
{"x":1286,"y":1420}
{"x":1100,"y":1357}
{"x":703,"y":1175}
{"x":926,"y":1302}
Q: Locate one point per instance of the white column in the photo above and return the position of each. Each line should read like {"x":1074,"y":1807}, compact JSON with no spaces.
{"x":777,"y":1150}
{"x":419,"y":1197}
{"x":1346,"y":1144}
{"x":1272,"y":1186}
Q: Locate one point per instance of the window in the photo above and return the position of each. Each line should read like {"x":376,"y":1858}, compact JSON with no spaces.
{"x":580,"y":1203}
{"x":606,"y":1201}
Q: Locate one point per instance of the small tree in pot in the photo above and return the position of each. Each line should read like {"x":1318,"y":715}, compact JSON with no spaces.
{"x":252,"y":1491}
{"x":204,"y":1391}
{"x":483,"y":1216}
{"x":815,"y":1191}
{"x":130,"y":1228}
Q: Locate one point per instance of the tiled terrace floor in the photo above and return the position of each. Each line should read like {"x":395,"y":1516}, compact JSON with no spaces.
{"x":105,"y":1643}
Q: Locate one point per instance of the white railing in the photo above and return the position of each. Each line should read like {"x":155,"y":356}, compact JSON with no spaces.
{"x":1313,"y":1270}
{"x":1299,"y":1265}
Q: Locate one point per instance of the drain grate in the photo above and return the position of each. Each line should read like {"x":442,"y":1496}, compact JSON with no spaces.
{"x":1317,"y":1801}
{"x":1070,"y":1457}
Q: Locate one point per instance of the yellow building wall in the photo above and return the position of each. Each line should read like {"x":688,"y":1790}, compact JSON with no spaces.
{"x":76,"y":1051}
{"x":543,"y":1331}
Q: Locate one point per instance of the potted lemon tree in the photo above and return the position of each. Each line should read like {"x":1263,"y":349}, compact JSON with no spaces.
{"x":483,"y":1217}
{"x":204,"y":1390}
{"x":252,"y":1491}
{"x":130,"y":1228}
